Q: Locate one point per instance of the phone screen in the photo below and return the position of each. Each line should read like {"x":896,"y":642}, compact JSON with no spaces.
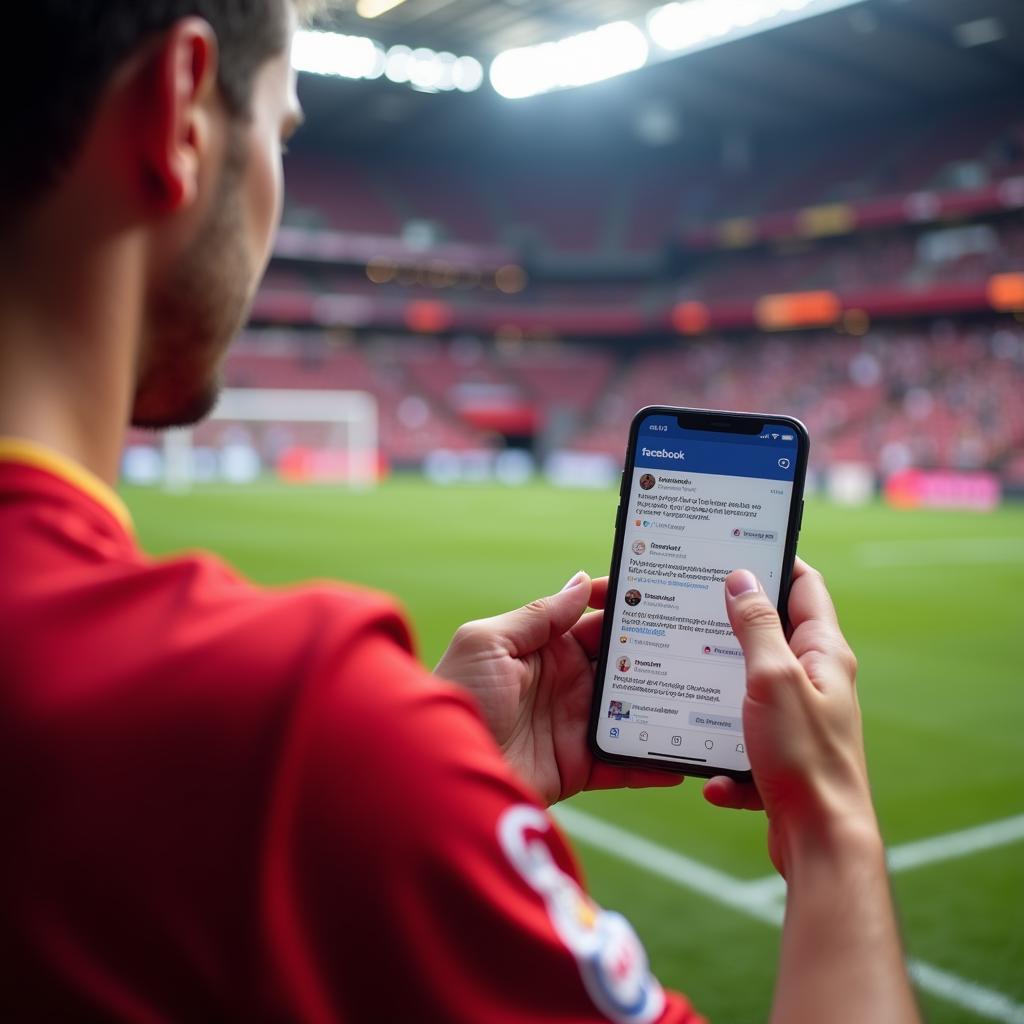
{"x":696,"y":503}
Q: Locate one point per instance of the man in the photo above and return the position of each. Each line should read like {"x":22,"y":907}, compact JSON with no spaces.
{"x":223,"y":803}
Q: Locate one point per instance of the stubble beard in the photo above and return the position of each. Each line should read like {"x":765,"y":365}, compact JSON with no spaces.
{"x":194,"y":317}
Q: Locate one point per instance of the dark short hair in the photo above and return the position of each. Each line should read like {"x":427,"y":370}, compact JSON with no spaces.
{"x":62,"y":53}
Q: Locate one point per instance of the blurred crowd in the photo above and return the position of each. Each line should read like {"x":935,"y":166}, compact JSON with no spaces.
{"x":943,"y":395}
{"x":889,"y":395}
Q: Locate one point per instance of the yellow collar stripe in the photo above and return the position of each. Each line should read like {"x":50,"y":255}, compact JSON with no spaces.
{"x":29,"y":453}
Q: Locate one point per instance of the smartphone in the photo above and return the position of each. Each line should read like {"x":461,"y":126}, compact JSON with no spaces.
{"x":703,"y":492}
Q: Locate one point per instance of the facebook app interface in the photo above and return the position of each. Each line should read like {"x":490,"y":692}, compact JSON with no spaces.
{"x":700,"y":504}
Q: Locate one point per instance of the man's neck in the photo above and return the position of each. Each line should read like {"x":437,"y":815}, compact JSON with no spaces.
{"x":69,"y":334}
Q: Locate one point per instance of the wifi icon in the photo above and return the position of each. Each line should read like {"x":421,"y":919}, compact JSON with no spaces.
{"x":775,"y":437}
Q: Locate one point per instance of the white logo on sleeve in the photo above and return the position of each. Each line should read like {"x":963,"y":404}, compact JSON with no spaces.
{"x":612,"y":961}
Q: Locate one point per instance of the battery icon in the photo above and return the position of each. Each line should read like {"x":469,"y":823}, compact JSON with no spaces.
{"x":787,"y":437}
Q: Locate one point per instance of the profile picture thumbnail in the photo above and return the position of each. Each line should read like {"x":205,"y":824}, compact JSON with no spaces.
{"x":639,"y":547}
{"x":625,"y":664}
{"x":647,"y":481}
{"x":618,"y":709}
{"x":623,"y":639}
{"x":633,"y":598}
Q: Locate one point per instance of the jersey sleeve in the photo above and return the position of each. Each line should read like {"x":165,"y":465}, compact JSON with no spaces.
{"x":410,"y":876}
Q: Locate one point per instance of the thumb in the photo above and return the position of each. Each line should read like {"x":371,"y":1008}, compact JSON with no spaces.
{"x":529,"y":628}
{"x":758,"y":628}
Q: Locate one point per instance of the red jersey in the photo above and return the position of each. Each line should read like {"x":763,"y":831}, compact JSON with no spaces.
{"x":221,"y":802}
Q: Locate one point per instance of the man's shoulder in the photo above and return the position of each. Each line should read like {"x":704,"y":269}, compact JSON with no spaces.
{"x":200,"y":591}
{"x":194,"y":615}
{"x":81,"y":601}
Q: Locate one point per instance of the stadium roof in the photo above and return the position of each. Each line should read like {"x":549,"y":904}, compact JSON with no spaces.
{"x":878,"y":57}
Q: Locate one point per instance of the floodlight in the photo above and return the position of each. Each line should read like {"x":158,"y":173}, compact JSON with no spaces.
{"x":328,"y":53}
{"x":375,"y":8}
{"x":425,"y":69}
{"x":446,"y":71}
{"x":468,"y":74}
{"x":698,"y":24}
{"x":398,"y":63}
{"x":679,"y":26}
{"x":594,"y":56}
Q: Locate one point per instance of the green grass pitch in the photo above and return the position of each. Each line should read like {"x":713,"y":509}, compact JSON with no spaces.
{"x":931,"y":602}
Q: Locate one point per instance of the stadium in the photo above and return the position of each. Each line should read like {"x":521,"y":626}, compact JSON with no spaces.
{"x":509,"y":226}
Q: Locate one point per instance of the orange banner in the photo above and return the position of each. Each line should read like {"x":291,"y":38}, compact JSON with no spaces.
{"x":797,"y":309}
{"x":1006,"y":292}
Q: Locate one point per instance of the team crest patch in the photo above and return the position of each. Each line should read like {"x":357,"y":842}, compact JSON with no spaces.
{"x":612,"y":960}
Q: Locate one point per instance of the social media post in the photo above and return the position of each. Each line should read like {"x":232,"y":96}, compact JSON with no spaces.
{"x":686,"y":507}
{"x":703,"y":636}
{"x":670,"y":620}
{"x":687,"y":736}
{"x":674,"y":683}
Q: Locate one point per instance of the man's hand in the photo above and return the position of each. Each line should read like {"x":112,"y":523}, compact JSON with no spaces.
{"x":532,"y":673}
{"x":841,"y":958}
{"x":801,"y":719}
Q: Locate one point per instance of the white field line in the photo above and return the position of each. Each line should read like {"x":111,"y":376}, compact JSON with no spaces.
{"x":956,"y":551}
{"x":985,"y":1002}
{"x":916,"y":854}
{"x":956,"y":844}
{"x":659,"y":860}
{"x":755,"y":900}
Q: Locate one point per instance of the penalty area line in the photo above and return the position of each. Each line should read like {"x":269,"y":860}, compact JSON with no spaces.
{"x":756,"y":900}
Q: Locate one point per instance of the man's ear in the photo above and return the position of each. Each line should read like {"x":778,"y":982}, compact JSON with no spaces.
{"x":176,"y":130}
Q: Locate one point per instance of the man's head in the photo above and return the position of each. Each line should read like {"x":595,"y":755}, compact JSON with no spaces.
{"x":171,"y":113}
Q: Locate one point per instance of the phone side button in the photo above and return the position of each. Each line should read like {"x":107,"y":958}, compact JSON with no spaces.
{"x":618,"y":515}
{"x":800,"y":521}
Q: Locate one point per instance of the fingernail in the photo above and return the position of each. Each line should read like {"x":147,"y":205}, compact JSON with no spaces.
{"x":576,"y":580}
{"x":740,"y":582}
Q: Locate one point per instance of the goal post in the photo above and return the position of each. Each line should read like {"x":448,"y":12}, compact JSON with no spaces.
{"x":351,"y":419}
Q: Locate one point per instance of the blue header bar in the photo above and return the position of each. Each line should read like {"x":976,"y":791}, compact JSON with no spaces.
{"x":724,"y":459}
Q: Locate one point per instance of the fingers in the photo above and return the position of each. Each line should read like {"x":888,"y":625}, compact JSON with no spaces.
{"x":759,"y":631}
{"x":588,"y":633}
{"x":816,"y":626}
{"x":725,"y":792}
{"x":809,"y":598}
{"x":599,"y":592}
{"x":588,"y":630}
{"x":529,"y":628}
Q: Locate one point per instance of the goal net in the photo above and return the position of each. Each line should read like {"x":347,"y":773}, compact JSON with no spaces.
{"x":302,"y":436}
